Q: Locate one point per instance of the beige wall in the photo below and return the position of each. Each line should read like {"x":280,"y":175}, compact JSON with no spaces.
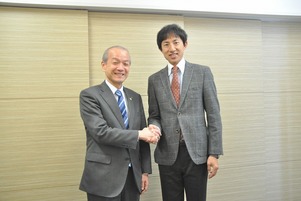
{"x":47,"y":56}
{"x":43,"y":65}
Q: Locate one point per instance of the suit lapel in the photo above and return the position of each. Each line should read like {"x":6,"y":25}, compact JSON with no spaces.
{"x":166,"y":85}
{"x":188,"y":72}
{"x":110,"y":99}
{"x":130,"y":105}
{"x":187,"y":76}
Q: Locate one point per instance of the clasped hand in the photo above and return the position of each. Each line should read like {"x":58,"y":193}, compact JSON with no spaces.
{"x":150,"y":134}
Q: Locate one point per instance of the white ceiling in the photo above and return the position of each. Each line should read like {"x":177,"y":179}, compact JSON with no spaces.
{"x":267,"y":10}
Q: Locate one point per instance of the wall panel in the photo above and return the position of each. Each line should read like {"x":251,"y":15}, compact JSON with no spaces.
{"x":43,"y":66}
{"x":36,"y":144}
{"x":282,"y":72}
{"x":282,"y":61}
{"x":283,"y":181}
{"x":232,"y":48}
{"x":43,"y":52}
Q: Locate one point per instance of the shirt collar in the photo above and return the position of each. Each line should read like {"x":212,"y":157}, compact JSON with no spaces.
{"x":113,"y":88}
{"x":181,"y":66}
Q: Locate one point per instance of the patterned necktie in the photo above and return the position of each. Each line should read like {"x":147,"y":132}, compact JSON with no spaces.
{"x":121,"y":105}
{"x":175,"y":85}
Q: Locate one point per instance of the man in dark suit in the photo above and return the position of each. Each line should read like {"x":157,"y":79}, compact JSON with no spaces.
{"x":189,"y":120}
{"x":118,"y":160}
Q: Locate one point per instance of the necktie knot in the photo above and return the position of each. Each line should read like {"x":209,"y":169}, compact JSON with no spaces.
{"x":118,"y":93}
{"x":175,"y":70}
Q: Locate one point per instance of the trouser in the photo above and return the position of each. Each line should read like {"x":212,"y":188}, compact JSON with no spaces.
{"x":184,"y":174}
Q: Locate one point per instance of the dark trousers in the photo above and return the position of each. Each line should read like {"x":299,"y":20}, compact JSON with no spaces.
{"x":184,"y":174}
{"x":130,"y":191}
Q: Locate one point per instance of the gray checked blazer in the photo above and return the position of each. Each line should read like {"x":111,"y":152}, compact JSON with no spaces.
{"x":197,"y":117}
{"x":110,"y":148}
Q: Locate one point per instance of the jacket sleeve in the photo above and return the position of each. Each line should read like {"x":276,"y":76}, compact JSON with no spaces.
{"x":212,"y":108}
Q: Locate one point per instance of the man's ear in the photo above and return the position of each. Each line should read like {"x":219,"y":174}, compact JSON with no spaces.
{"x":186,"y":44}
{"x":103,"y":66}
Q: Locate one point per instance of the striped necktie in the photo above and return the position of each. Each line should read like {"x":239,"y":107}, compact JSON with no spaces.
{"x":121,"y":105}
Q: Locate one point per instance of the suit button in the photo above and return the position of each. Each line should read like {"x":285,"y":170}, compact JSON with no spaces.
{"x":179,"y":113}
{"x":177,"y":130}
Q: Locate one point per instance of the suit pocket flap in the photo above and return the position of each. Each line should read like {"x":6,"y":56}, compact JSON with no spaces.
{"x":97,"y":157}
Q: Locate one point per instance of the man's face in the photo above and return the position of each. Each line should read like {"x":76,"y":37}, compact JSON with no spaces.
{"x":173,"y":49}
{"x":117,"y":67}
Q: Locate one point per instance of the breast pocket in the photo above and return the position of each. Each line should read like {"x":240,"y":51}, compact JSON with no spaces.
{"x":194,"y":92}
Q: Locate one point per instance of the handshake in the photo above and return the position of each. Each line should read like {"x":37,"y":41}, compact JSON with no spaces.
{"x":150,"y":134}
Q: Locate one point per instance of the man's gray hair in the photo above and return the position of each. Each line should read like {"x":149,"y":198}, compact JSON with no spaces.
{"x":106,"y":52}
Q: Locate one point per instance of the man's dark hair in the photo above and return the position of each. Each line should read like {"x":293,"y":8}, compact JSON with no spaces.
{"x":168,"y":30}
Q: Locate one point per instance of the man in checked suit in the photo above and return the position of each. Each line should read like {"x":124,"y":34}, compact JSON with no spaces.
{"x":191,"y":141}
{"x":118,"y":160}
